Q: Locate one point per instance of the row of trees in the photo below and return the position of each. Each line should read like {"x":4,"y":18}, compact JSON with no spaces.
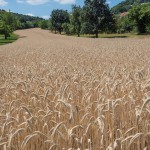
{"x":10,"y":22}
{"x":95,"y":17}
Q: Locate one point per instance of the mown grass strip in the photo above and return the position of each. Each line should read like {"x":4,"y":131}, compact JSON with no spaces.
{"x":12,"y":38}
{"x":125,"y":35}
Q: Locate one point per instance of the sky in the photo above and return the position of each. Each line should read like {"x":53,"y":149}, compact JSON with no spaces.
{"x":43,"y":8}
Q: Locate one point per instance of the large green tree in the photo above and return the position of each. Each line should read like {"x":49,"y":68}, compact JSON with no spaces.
{"x":58,"y":18}
{"x":96,"y":16}
{"x":5,"y":29}
{"x":7,"y":24}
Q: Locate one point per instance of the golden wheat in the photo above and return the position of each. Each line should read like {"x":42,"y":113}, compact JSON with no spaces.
{"x":68,"y":93}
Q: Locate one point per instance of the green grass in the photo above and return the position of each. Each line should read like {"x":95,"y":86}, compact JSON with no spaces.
{"x":126,"y":35}
{"x":10,"y":39}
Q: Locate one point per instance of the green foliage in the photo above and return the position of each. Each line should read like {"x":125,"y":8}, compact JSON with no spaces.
{"x":26,"y":21}
{"x":140,"y":16}
{"x":7,"y":24}
{"x":96,"y":16}
{"x":5,"y":30}
{"x":10,"y":22}
{"x":93,"y":18}
{"x":122,"y":7}
{"x":50,"y":26}
{"x":44,"y":24}
{"x":19,"y":21}
{"x":58,"y":18}
{"x":66,"y":28}
{"x":76,"y":19}
{"x":87,"y":28}
{"x":124,"y":25}
{"x":126,"y":5}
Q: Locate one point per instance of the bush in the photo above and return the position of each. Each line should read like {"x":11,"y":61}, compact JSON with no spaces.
{"x":125,"y":25}
{"x":140,"y":16}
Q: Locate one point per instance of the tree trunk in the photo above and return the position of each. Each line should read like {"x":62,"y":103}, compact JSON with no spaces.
{"x":60,"y":31}
{"x":78,"y":34}
{"x":96,"y":34}
{"x":5,"y":37}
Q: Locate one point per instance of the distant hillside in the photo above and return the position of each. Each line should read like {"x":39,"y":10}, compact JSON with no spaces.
{"x":24,"y":21}
{"x":24,"y":17}
{"x":126,"y":5}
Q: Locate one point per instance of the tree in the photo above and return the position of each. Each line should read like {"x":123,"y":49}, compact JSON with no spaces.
{"x":76,"y":19}
{"x":5,"y":29}
{"x":58,"y":18}
{"x":96,"y":15}
{"x":10,"y":20}
{"x":140,"y":15}
{"x":7,"y":24}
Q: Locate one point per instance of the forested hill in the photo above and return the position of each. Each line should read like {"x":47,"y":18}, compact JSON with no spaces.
{"x":24,"y":21}
{"x":126,"y":5}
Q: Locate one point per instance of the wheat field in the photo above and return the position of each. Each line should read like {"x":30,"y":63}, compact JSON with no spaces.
{"x":67,"y":93}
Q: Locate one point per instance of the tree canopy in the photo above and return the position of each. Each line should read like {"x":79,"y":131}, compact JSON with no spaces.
{"x":58,"y":17}
{"x":96,"y":16}
{"x":76,"y":19}
{"x":7,"y":24}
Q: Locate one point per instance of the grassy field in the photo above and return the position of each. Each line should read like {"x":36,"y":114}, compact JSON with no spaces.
{"x":126,"y":35}
{"x":68,"y":93}
{"x":10,"y":39}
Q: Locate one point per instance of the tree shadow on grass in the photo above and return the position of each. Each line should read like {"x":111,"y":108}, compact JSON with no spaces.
{"x":3,"y":41}
{"x":10,"y":39}
{"x":110,"y":37}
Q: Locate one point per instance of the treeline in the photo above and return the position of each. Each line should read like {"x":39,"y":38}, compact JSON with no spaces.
{"x":10,"y":22}
{"x":95,"y":17}
{"x":26,"y":21}
{"x":22,"y":21}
